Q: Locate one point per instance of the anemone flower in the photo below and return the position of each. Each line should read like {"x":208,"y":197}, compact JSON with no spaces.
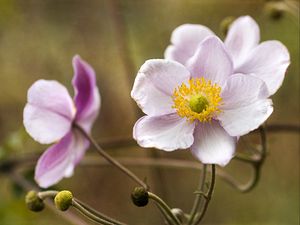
{"x":268,"y":60}
{"x":202,"y":105}
{"x":51,"y":115}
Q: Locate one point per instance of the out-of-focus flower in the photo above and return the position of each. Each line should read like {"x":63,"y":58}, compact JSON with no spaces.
{"x":201,"y":105}
{"x":49,"y":116}
{"x":268,"y":60}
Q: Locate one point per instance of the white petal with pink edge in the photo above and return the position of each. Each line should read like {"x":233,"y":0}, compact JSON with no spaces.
{"x":155,"y":84}
{"x":245,"y":105}
{"x":184,"y":41}
{"x":269,"y":62}
{"x":243,"y":35}
{"x":168,"y":132}
{"x":211,"y":61}
{"x":49,"y":112}
{"x":59,"y":160}
{"x":213,"y":145}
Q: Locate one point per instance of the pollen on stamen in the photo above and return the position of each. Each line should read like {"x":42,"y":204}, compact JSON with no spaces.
{"x":199,"y":100}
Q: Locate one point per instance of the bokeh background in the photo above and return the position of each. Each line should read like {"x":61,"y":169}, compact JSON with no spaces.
{"x":38,"y":40}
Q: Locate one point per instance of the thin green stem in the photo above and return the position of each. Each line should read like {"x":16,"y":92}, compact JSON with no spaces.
{"x":47,"y":194}
{"x":256,"y":164}
{"x":112,"y":160}
{"x":198,"y":196}
{"x":92,"y":213}
{"x":27,"y":185}
{"x":165,"y":207}
{"x":209,"y":194}
{"x":89,"y":215}
{"x":246,"y":159}
{"x":166,"y":216}
{"x":98,"y":214}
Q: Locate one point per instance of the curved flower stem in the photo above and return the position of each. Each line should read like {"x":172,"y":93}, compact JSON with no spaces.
{"x":209,"y":194}
{"x":27,"y":186}
{"x":256,"y":163}
{"x":112,"y":160}
{"x":168,"y":219}
{"x":89,"y":212}
{"x":26,"y":160}
{"x":90,"y":215}
{"x":198,"y":196}
{"x":47,"y":194}
{"x":165,"y":207}
{"x":98,"y":214}
{"x":30,"y":158}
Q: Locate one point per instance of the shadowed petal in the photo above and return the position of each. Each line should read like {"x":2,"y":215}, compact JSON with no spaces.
{"x":245,"y":104}
{"x":184,"y":41}
{"x":59,"y":160}
{"x":155,"y":84}
{"x":87,"y":97}
{"x":49,"y":111}
{"x":213,"y":145}
{"x":211,"y":61}
{"x":269,"y":62}
{"x":168,"y":132}
{"x":242,"y":37}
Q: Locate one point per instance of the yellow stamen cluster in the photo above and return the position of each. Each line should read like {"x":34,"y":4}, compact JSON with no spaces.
{"x":200,"y":100}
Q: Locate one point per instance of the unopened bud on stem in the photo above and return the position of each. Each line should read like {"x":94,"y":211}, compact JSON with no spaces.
{"x":140,"y":196}
{"x":63,"y":200}
{"x":33,"y":202}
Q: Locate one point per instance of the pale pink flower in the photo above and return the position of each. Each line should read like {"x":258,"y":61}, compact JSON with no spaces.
{"x":267,"y":60}
{"x":50,"y":115}
{"x":202,"y":105}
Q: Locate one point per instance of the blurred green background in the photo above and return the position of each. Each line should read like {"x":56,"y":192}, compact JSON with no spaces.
{"x":38,"y":40}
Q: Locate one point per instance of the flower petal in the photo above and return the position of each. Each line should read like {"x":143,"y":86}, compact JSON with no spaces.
{"x":242,"y":37}
{"x":59,"y":160}
{"x":87,"y":97}
{"x":245,"y":104}
{"x":211,"y":61}
{"x":168,"y":132}
{"x":155,"y":83}
{"x":49,"y":113}
{"x":184,"y":41}
{"x":269,"y":62}
{"x":213,"y":145}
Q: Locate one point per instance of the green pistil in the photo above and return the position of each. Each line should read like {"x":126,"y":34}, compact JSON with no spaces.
{"x":198,"y":103}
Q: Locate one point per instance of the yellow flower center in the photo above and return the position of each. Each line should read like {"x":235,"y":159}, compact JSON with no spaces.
{"x":200,"y":100}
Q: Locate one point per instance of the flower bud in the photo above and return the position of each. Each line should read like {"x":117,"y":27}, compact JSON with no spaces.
{"x":33,"y":202}
{"x":178,"y":213}
{"x":140,"y":196}
{"x":225,"y":24}
{"x":63,"y":200}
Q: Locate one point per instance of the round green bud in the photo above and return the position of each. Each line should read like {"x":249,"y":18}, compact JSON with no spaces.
{"x":33,"y":202}
{"x":63,"y":200}
{"x":225,"y":24}
{"x":140,"y":196}
{"x":198,"y":103}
